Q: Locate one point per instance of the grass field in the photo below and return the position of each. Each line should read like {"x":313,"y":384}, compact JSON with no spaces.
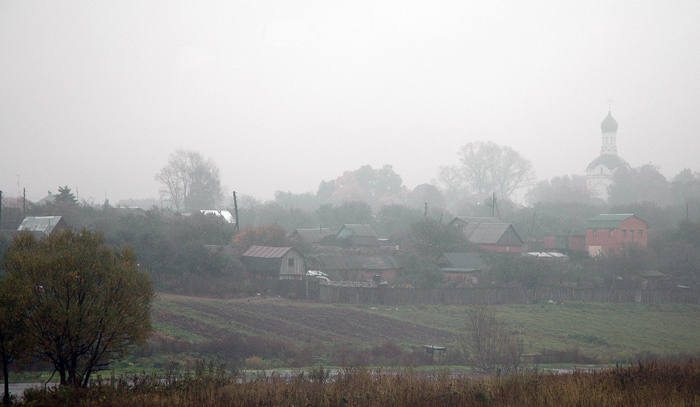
{"x":607,"y":332}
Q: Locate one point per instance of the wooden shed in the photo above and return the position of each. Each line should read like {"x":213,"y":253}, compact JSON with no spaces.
{"x":284,"y":262}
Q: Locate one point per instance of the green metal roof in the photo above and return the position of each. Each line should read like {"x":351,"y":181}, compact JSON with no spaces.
{"x":608,"y":221}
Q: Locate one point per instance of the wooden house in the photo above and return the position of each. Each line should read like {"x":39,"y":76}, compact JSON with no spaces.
{"x":461,"y":268}
{"x":610,"y":233}
{"x":352,"y":267}
{"x":564,"y":242}
{"x":358,"y":235}
{"x":489,"y":234}
{"x":312,"y":235}
{"x":284,"y":263}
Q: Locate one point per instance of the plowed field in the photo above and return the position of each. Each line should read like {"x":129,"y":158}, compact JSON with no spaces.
{"x":300,"y":322}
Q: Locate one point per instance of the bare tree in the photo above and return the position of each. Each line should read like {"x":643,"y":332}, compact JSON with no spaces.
{"x":488,"y":346}
{"x":190,"y":181}
{"x":487,"y":167}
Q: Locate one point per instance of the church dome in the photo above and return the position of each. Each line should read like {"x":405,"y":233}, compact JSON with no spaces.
{"x":609,"y":125}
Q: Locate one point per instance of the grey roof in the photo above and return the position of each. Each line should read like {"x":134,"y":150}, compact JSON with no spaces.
{"x":492,"y":233}
{"x":50,"y":198}
{"x":130,"y":210}
{"x":358,"y":230}
{"x":313,"y":235}
{"x":609,"y":220}
{"x":474,"y":219}
{"x":44,"y":224}
{"x":267,"y":252}
{"x":264,"y":259}
{"x":462,"y":262}
{"x":612,"y":161}
{"x":364,"y":240}
{"x":225,"y":215}
{"x":357,"y":262}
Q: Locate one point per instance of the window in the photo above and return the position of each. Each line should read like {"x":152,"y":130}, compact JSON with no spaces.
{"x":595,"y":232}
{"x":290,"y":262}
{"x":632,"y":236}
{"x":640,"y":233}
{"x":624,"y":234}
{"x":610,"y":233}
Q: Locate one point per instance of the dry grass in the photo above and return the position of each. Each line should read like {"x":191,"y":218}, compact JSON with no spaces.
{"x":645,"y":384}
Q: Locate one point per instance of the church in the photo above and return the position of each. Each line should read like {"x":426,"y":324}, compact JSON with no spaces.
{"x":599,"y":174}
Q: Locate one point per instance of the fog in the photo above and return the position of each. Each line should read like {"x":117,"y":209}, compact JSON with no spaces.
{"x":282,"y":95}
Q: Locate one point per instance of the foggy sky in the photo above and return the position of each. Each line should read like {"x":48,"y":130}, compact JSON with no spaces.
{"x":282,"y":95}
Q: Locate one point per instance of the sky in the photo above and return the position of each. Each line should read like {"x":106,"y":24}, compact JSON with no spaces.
{"x":285,"y":94}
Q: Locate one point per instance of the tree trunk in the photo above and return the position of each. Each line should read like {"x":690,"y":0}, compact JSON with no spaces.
{"x":5,"y":374}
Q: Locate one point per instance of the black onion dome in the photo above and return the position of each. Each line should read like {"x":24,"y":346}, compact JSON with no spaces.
{"x":609,"y":125}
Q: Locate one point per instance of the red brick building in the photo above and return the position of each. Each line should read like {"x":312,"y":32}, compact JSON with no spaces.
{"x":610,"y":233}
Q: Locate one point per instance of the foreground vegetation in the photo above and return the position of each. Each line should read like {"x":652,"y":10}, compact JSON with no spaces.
{"x":644,"y":384}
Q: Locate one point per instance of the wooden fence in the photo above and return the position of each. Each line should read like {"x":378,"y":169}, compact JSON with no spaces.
{"x":285,"y":288}
{"x":500,"y":295}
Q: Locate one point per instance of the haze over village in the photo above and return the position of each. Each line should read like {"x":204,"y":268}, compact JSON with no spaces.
{"x":375,"y":203}
{"x":283,"y":96}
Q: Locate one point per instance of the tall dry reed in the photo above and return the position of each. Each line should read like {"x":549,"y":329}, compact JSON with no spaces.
{"x":645,"y":384}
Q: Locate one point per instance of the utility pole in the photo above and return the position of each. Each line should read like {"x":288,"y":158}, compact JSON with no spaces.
{"x":0,"y":210}
{"x":494,"y":207}
{"x":24,"y":203}
{"x":236,"y":228}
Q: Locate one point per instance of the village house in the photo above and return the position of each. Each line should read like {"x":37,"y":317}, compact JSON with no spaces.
{"x":285,"y":263}
{"x":353,"y":267}
{"x":358,"y":235}
{"x":610,"y":233}
{"x":461,"y":268}
{"x":489,"y":234}
{"x":44,"y":225}
{"x":564,"y":243}
{"x":311,"y":235}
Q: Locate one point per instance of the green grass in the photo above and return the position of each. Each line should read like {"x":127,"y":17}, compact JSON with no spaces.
{"x":610,"y":332}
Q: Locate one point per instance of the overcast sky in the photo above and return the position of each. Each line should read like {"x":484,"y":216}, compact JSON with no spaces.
{"x":283,"y":94}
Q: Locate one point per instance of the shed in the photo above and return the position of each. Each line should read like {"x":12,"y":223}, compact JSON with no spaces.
{"x":43,"y":224}
{"x":285,"y":262}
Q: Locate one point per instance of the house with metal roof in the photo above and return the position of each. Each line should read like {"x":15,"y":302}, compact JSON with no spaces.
{"x":461,"y":268}
{"x":610,"y":233}
{"x":358,"y":235}
{"x":223,"y":214}
{"x":490,"y":234}
{"x":312,"y":235}
{"x":43,"y":224}
{"x":353,"y":267}
{"x":285,"y":263}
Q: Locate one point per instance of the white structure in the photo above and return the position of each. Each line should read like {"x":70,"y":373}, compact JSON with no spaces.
{"x":600,"y":171}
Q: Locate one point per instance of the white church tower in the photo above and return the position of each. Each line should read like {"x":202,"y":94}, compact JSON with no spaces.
{"x":600,"y":171}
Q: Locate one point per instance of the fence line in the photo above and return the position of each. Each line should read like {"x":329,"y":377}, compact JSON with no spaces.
{"x":500,"y":295}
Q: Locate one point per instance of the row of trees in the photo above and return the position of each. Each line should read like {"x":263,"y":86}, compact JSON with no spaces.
{"x":191,"y":182}
{"x":71,"y":301}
